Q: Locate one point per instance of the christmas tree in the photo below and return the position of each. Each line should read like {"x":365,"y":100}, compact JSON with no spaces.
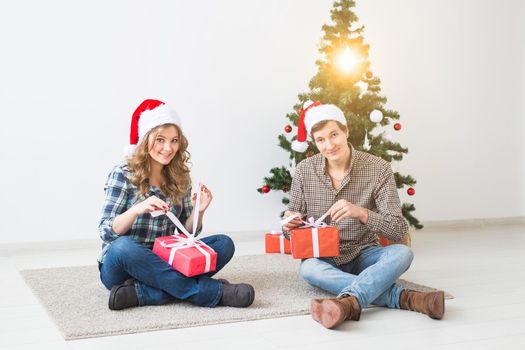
{"x":344,"y":79}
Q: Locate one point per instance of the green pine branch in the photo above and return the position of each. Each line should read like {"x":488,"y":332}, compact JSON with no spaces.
{"x":280,"y":179}
{"x":407,"y":210}
{"x":404,"y":180}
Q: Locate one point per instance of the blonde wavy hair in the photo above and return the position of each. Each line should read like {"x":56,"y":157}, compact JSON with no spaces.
{"x":176,"y":173}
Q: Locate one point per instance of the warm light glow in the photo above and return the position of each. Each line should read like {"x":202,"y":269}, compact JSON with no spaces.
{"x":347,"y":60}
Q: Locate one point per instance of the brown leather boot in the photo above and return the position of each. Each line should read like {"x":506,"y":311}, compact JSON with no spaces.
{"x":315,"y":309}
{"x":428,"y":303}
{"x":334,"y":311}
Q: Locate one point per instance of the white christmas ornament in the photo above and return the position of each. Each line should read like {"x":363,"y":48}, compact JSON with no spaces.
{"x":366,"y":143}
{"x":376,"y":116}
{"x":362,"y":86}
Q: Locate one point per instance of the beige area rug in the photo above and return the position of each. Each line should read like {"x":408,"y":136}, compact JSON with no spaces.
{"x":77,"y":301}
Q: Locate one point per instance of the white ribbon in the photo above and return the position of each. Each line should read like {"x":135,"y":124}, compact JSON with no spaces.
{"x":180,"y":242}
{"x":288,"y":219}
{"x":177,"y":222}
{"x":315,"y":242}
{"x":196,"y":209}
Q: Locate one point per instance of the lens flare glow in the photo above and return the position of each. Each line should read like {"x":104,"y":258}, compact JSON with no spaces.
{"x":347,"y":61}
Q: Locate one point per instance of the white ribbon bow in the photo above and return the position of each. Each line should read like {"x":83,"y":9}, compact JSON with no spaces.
{"x":315,"y":223}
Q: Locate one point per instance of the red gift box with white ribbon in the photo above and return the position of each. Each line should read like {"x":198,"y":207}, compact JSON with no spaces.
{"x":275,"y":242}
{"x":188,"y":255}
{"x":314,"y":240}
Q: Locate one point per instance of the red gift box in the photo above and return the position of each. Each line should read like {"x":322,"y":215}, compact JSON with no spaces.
{"x":384,"y":242}
{"x":189,"y":257}
{"x":312,"y":242}
{"x":276,"y":243}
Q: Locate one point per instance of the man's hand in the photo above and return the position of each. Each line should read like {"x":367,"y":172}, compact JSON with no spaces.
{"x":296,"y":222}
{"x":344,"y":209}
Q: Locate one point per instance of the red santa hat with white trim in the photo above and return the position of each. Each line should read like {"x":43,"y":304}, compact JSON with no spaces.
{"x":311,"y":114}
{"x":148,"y":115}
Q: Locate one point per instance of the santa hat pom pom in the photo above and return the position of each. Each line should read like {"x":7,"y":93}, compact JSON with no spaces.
{"x":300,"y":147}
{"x":307,"y":104}
{"x":129,"y":150}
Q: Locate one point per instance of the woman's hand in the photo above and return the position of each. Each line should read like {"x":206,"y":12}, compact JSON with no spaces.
{"x":149,"y":205}
{"x":123,"y":222}
{"x":206,"y":198}
{"x":296,"y":222}
{"x":344,"y":209}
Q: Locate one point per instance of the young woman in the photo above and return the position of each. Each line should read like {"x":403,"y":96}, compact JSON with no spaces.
{"x":359,"y":192}
{"x":156,"y":177}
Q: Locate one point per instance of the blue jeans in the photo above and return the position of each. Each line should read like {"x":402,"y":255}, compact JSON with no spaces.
{"x":370,"y":277}
{"x":156,"y":282}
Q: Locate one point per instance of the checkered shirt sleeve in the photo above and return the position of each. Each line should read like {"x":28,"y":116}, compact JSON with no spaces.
{"x":115,"y":203}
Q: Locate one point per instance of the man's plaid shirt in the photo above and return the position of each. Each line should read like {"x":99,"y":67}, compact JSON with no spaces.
{"x":369,"y":184}
{"x":122,"y":195}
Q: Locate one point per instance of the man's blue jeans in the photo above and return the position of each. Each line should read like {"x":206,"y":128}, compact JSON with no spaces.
{"x":156,"y":282}
{"x":370,"y":277}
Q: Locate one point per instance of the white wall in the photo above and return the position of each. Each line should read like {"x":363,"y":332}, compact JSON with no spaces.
{"x":454,"y":70}
{"x":71,"y":74}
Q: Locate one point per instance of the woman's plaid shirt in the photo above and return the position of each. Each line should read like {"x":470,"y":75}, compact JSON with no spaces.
{"x":369,"y":184}
{"x":122,"y":195}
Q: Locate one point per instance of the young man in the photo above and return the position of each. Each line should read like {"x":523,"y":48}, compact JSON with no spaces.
{"x":358,"y":191}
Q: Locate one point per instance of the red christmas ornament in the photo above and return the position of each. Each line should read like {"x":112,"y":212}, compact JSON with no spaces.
{"x":265,"y":189}
{"x":397,"y":126}
{"x":411,"y":191}
{"x":369,"y":75}
{"x":288,"y":128}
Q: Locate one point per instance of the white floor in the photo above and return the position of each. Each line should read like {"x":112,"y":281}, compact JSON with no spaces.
{"x":482,"y":267}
